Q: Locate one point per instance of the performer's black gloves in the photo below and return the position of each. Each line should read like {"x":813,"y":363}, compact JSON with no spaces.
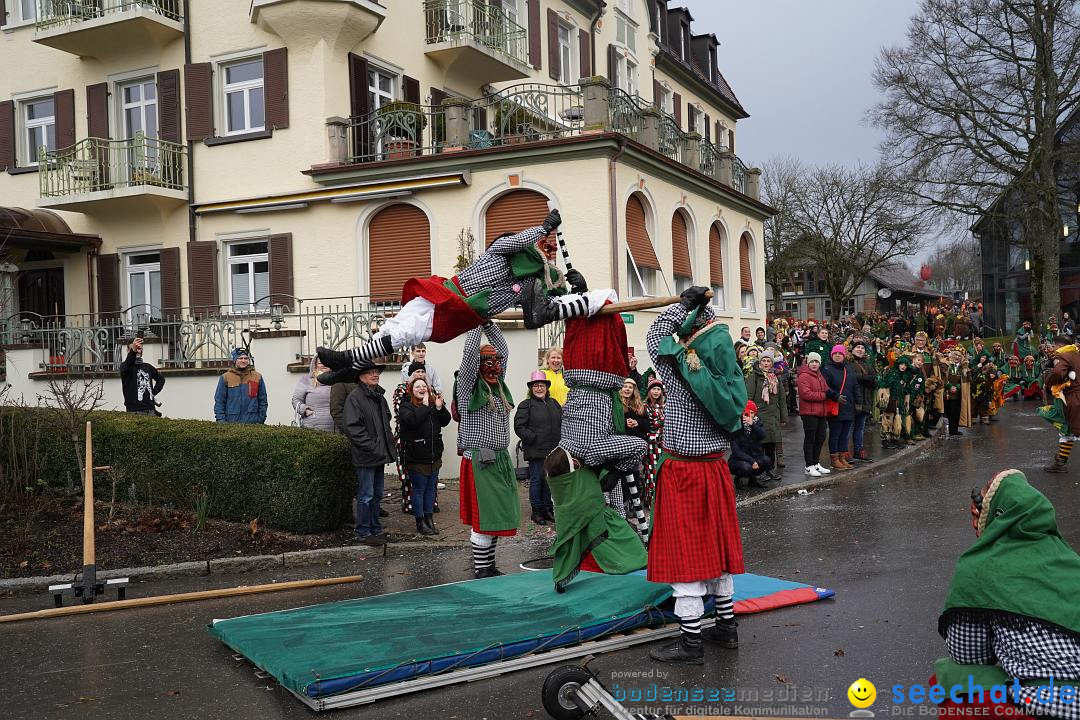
{"x":693,"y":297}
{"x":577,"y":282}
{"x":552,"y":221}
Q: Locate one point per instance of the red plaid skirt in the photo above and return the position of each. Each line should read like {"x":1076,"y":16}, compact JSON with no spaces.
{"x":453,"y":316}
{"x":695,"y":530}
{"x":469,"y":509}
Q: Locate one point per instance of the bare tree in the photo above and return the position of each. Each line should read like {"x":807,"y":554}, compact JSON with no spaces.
{"x":852,"y":221}
{"x":971,"y":109}
{"x":780,"y":184}
{"x":954,"y":267}
{"x":71,"y":400}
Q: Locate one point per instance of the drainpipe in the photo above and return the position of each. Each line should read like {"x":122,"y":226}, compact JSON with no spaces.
{"x":190,"y":145}
{"x":90,"y":255}
{"x":614,"y":203}
{"x":600,"y":5}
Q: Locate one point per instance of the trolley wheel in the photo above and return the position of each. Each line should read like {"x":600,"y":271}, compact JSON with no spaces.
{"x":556,"y":694}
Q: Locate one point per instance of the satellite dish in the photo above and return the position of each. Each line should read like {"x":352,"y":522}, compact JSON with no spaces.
{"x":884,"y":293}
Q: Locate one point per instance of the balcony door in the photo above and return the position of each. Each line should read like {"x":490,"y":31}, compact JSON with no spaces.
{"x":42,"y":292}
{"x":139,"y":114}
{"x":144,"y":289}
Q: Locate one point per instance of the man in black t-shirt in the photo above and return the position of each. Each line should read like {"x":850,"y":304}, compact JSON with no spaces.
{"x":140,"y":380}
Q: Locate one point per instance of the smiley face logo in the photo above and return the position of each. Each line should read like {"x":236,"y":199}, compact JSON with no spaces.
{"x":862,"y":693}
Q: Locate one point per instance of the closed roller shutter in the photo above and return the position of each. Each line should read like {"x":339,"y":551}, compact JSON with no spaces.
{"x":637,"y":235}
{"x":513,"y":212}
{"x":399,"y":248}
{"x":716,"y":257}
{"x":746,"y":278}
{"x":680,"y":247}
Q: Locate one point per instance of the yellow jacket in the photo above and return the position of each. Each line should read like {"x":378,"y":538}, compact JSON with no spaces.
{"x":558,"y":389}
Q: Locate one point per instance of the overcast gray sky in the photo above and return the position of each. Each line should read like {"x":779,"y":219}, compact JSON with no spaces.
{"x":802,"y":68}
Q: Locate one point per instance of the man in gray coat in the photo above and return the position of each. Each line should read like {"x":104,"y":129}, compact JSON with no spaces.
{"x":367,"y":425}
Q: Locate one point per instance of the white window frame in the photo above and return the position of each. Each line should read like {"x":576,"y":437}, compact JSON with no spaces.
{"x":250,"y":261}
{"x":640,"y":282}
{"x":395,"y":86}
{"x":18,"y":17}
{"x":24,"y":126}
{"x":568,"y":52}
{"x":245,"y":87}
{"x":144,"y":269}
{"x":512,"y":11}
{"x":718,"y":300}
{"x":142,"y":103}
{"x":667,"y":100}
{"x":697,"y":115}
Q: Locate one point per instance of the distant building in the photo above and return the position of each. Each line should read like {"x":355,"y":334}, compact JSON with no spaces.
{"x":889,"y":289}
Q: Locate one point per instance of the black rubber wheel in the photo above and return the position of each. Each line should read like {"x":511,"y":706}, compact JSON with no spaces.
{"x":557,"y":685}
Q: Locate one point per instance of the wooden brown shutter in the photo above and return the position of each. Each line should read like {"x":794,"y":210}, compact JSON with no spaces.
{"x":438,"y":131}
{"x":168,"y":93}
{"x":202,"y":278}
{"x":676,"y":104}
{"x":513,"y":212}
{"x":585,"y":50}
{"x":3,"y":13}
{"x":534,"y":33}
{"x":64,"y":101}
{"x":410,"y":90}
{"x":399,"y":248}
{"x":708,"y":128}
{"x":276,"y":88}
{"x":281,"y":269}
{"x":612,"y":66}
{"x":746,"y":278}
{"x":97,"y":110}
{"x":358,"y":102}
{"x":108,"y":278}
{"x":170,"y":281}
{"x":690,"y":124}
{"x":716,"y":256}
{"x":554,"y":65}
{"x":657,"y":94}
{"x":199,"y":98}
{"x":637,"y":235}
{"x":731,"y":140}
{"x":680,"y":247}
{"x":7,"y":134}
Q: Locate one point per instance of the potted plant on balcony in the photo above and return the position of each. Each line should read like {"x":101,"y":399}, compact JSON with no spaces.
{"x":400,"y":129}
{"x":513,"y":123}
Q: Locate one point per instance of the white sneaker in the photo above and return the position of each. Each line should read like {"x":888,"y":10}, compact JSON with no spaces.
{"x":822,"y":470}
{"x":812,"y":471}
{"x":440,"y":486}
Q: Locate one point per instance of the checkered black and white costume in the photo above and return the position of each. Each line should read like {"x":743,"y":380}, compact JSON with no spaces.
{"x":1024,"y":648}
{"x":492,"y":270}
{"x":588,"y":427}
{"x":486,"y":428}
{"x":688,"y":429}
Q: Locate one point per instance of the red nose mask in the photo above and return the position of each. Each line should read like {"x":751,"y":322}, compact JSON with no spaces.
{"x":491,"y":368}
{"x":548,"y":247}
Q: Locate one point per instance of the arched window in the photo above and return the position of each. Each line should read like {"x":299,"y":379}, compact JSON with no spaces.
{"x":746,"y":277}
{"x":513,"y":212}
{"x":641,"y":261}
{"x":399,"y":248}
{"x":680,"y":252}
{"x":716,"y":264}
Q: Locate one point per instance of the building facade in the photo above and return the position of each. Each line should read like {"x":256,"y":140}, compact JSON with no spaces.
{"x":193,"y":170}
{"x":890,"y":289}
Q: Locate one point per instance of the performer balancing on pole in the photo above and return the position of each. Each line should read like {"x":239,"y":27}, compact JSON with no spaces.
{"x":515,"y":269}
{"x":488,"y":500}
{"x":695,"y":543}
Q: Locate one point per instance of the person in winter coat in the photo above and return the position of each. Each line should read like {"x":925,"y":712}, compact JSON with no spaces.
{"x":339,"y":392}
{"x":637,"y":418}
{"x":421,"y":418}
{"x":552,"y":365}
{"x":654,"y":407}
{"x":819,"y":343}
{"x":140,"y":381}
{"x":311,"y":399}
{"x":748,"y":460}
{"x":813,"y":392}
{"x":537,"y":421}
{"x":764,"y":388}
{"x":241,"y":393}
{"x":1063,"y":383}
{"x":841,"y":379}
{"x":865,"y":385}
{"x":367,"y":425}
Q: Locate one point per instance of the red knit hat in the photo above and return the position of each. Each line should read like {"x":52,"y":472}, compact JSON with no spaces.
{"x":751,"y":406}
{"x":596,"y":343}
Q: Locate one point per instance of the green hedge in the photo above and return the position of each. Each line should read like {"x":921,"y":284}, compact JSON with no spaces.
{"x":292,"y":479}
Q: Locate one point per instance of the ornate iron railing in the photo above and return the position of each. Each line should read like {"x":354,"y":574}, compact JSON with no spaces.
{"x":738,"y":175}
{"x":466,"y":22}
{"x":527,"y":112}
{"x":339,"y":322}
{"x":397,"y":131}
{"x":710,"y":158}
{"x":97,"y":164}
{"x":625,"y":113}
{"x":57,"y":13}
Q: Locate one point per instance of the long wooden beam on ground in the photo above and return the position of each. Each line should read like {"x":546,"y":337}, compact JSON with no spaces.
{"x":177,"y":598}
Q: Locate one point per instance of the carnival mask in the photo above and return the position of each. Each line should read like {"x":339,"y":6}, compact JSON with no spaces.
{"x":490,"y":367}
{"x":548,"y":247}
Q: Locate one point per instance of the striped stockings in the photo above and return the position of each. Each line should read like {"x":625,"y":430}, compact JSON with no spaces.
{"x":637,"y":506}
{"x":1064,"y":451}
{"x":483,"y":550}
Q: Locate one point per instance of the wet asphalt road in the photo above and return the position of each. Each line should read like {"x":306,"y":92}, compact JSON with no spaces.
{"x":886,"y":545}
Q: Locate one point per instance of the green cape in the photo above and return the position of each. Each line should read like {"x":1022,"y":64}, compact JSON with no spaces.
{"x":496,"y":492}
{"x":529,"y":263}
{"x":1020,"y":564}
{"x":585,"y":524}
{"x":482,"y":393}
{"x":717,"y":381}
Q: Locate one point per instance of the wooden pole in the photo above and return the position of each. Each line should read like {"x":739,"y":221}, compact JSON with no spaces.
{"x":88,"y":505}
{"x":178,"y":598}
{"x":610,"y":309}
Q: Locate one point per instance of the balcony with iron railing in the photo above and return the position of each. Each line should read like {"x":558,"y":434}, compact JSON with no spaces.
{"x":475,"y":39}
{"x":101,"y":28}
{"x":96,"y":171}
{"x":528,"y":113}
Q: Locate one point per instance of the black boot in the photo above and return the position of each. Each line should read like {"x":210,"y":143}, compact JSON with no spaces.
{"x":334,"y":359}
{"x":535,"y":307}
{"x":422,"y":527}
{"x":609,"y":478}
{"x":345,"y":374}
{"x":682,"y":651}
{"x":1055,"y":467}
{"x":538,"y":517}
{"x":724,"y":633}
{"x":431,"y":524}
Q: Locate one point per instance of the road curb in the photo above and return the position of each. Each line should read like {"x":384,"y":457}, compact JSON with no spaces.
{"x":836,"y":478}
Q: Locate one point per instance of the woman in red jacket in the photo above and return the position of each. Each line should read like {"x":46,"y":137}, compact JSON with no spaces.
{"x":813,"y":391}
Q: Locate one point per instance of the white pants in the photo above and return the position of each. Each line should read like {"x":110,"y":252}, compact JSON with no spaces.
{"x":689,"y":596}
{"x":411,"y":325}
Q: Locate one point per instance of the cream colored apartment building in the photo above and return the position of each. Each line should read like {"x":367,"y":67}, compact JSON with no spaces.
{"x":195,"y":167}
